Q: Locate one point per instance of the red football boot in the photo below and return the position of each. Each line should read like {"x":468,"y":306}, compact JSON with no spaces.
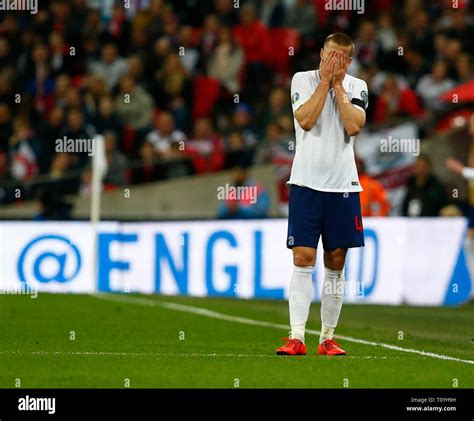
{"x":292,"y":347}
{"x":330,"y":347}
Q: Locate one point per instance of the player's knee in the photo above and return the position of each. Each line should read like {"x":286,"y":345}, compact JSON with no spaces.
{"x":304,"y":258}
{"x":335,"y":261}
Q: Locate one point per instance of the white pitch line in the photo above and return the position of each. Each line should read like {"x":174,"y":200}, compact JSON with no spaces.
{"x":221,"y":316}
{"x":160,"y":354}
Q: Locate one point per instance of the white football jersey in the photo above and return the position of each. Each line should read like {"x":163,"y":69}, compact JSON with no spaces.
{"x":324,"y":158}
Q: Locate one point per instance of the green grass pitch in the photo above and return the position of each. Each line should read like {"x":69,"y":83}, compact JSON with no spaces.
{"x":80,"y":341}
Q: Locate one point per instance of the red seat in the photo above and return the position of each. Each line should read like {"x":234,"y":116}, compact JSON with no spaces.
{"x":285,"y":45}
{"x":322,"y":14}
{"x":255,"y":41}
{"x":206,"y":94}
{"x":128,"y":139}
{"x":196,"y":37}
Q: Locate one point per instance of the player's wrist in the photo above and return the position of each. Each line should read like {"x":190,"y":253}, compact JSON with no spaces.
{"x":326,"y":82}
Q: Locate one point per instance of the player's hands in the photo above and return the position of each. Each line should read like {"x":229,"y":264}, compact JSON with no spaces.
{"x":454,"y":165}
{"x":341,"y":65}
{"x":326,"y":69}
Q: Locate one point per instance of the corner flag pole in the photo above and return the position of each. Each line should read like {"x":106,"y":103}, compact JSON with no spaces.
{"x":99,"y":168}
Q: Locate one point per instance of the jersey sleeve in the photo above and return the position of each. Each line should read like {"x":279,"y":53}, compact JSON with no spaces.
{"x":300,"y":91}
{"x":360,"y":95}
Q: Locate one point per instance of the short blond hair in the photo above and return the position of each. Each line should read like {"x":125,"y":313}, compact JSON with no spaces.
{"x":340,"y":38}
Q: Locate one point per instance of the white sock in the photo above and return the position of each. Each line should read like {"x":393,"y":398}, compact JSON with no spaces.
{"x":332,"y":297}
{"x":300,"y":295}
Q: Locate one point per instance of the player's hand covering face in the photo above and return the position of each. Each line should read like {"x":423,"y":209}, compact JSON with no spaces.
{"x":341,"y":65}
{"x":326,"y":69}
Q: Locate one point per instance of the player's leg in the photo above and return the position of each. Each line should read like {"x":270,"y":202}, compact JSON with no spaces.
{"x":304,"y":225}
{"x":300,"y":291}
{"x":299,"y":299}
{"x":332,"y":297}
{"x":342,"y":229}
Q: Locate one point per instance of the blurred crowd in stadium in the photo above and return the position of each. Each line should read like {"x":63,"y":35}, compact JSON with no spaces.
{"x":189,"y":87}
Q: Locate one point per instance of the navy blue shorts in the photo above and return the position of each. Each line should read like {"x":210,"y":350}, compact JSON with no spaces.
{"x":470,"y":216}
{"x":336,"y":217}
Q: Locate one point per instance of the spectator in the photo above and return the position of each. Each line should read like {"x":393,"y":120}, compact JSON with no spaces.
{"x":421,"y":37}
{"x":23,"y":151}
{"x":242,"y":122}
{"x":116,"y":162}
{"x":96,"y":88}
{"x":173,"y":89}
{"x":244,"y":198}
{"x":462,"y":30}
{"x":49,"y":132}
{"x":205,"y":148}
{"x":386,"y":35}
{"x":52,"y":207}
{"x":366,"y":47}
{"x":209,"y":38}
{"x":155,"y":60}
{"x":6,"y":56}
{"x":149,"y":168}
{"x":425,"y":195}
{"x":61,"y":90}
{"x":226,"y":12}
{"x":433,"y":85}
{"x":6,"y":128}
{"x":274,"y":147}
{"x":157,"y":12}
{"x":93,"y":25}
{"x":135,"y":69}
{"x":237,"y":152}
{"x":396,"y":102}
{"x":453,"y":51}
{"x":107,"y":119}
{"x":90,"y":51}
{"x":134,"y":106}
{"x":85,"y":187}
{"x":41,"y":88}
{"x":226,"y":61}
{"x":302,"y":17}
{"x":278,"y":106}
{"x":373,"y":199}
{"x":464,"y":68}
{"x":189,"y":55}
{"x":415,"y":67}
{"x":254,"y":39}
{"x":6,"y":89}
{"x":273,"y":13}
{"x":76,"y":128}
{"x":60,"y":60}
{"x":110,"y":66}
{"x":458,"y":167}
{"x":62,"y":174}
{"x":132,"y":55}
{"x":165,"y":135}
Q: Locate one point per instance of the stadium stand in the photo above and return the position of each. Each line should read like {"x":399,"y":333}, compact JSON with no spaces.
{"x":182,"y":88}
